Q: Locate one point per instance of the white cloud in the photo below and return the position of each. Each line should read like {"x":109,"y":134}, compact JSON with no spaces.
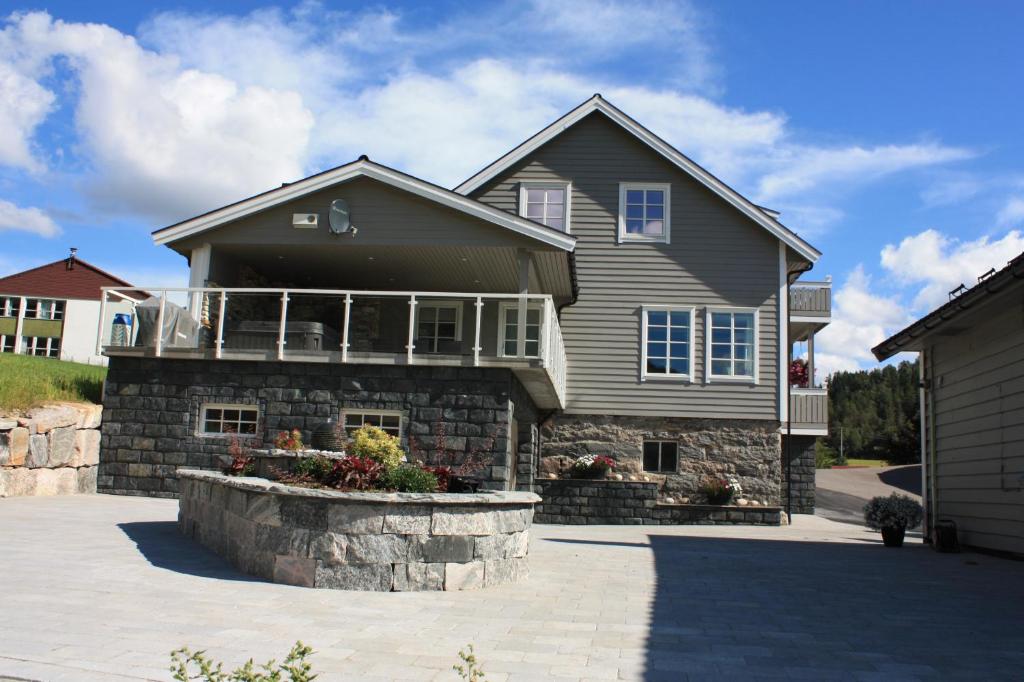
{"x":861,"y":319}
{"x":951,"y":190}
{"x":935,"y":263}
{"x":1012,"y":213}
{"x":23,"y":106}
{"x":29,"y":219}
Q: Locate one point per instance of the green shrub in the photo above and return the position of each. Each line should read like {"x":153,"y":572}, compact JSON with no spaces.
{"x":194,"y":665}
{"x":824,"y":456}
{"x":895,"y":511}
{"x":375,"y":443}
{"x":316,"y":467}
{"x":410,"y":479}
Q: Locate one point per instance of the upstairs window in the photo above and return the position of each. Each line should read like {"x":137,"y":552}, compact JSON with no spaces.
{"x":44,"y":309}
{"x":667,"y":342}
{"x":508,"y":333}
{"x":9,"y":306}
{"x":439,"y":327}
{"x":732,"y":344}
{"x":644,"y":212}
{"x":545,"y":203}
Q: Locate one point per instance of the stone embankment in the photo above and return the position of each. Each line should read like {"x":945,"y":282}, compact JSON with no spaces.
{"x":51,"y":450}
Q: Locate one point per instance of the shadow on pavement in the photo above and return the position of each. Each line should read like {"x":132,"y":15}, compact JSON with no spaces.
{"x":760,"y":609}
{"x":164,"y":546}
{"x":906,"y":478}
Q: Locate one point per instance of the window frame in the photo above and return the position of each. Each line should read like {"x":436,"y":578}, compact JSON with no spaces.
{"x":10,"y":306}
{"x":201,"y":422}
{"x":438,"y":303}
{"x":503,"y":308}
{"x":669,"y":308}
{"x":666,"y":236}
{"x":343,"y":412}
{"x":709,"y":375}
{"x":550,"y":184}
{"x":661,"y":444}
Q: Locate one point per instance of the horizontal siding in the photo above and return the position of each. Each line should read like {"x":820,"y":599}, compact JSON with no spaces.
{"x":717,"y":258}
{"x":978,"y":378}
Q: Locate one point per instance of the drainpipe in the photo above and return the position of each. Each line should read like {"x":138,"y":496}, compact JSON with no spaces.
{"x":922,"y":410}
{"x":790,"y":276}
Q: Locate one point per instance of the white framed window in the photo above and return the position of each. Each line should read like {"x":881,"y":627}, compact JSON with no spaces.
{"x":644,"y":212}
{"x":661,"y":456}
{"x":388,"y":420}
{"x":508,"y":329}
{"x":6,"y":344}
{"x":438,"y":326}
{"x":9,"y":306}
{"x":546,"y":203}
{"x":732,"y":344}
{"x":218,"y":419}
{"x":43,"y":346}
{"x":44,"y":309}
{"x":667,"y":342}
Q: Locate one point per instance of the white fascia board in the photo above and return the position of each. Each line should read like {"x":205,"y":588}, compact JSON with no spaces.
{"x":597,"y":103}
{"x":376,"y":172}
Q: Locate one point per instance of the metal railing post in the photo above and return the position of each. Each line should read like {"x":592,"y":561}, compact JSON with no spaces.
{"x":476,"y":338}
{"x":412,"y":328}
{"x":220,"y":324}
{"x":160,"y":324}
{"x":103,"y":314}
{"x":344,"y":328}
{"x":281,"y":329}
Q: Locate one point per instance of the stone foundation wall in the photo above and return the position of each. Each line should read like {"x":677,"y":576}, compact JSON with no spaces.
{"x":52,"y":450}
{"x":152,"y":407}
{"x":801,"y":472}
{"x":607,"y":502}
{"x":746,"y":449}
{"x":359,"y":541}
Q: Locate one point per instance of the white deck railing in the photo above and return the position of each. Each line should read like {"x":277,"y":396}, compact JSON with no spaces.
{"x":212,"y":310}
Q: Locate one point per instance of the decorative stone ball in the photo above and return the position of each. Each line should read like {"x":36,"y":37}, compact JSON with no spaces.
{"x":631,"y":477}
{"x":755,"y":503}
{"x":552,"y":475}
{"x":647,"y":479}
{"x":669,"y":500}
{"x":743,"y":502}
{"x":616,"y":477}
{"x":684,"y":500}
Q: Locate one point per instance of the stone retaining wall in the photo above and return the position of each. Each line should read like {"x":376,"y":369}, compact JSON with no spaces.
{"x":52,"y":450}
{"x":152,"y":407}
{"x":606,"y":502}
{"x":358,"y":541}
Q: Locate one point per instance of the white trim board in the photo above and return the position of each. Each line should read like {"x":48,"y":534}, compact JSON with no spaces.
{"x":598,"y":103}
{"x":375,"y":171}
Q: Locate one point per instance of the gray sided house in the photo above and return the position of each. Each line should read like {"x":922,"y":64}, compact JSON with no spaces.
{"x":592,"y":291}
{"x":972,"y":406}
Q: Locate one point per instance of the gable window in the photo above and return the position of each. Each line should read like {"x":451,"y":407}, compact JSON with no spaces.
{"x":545,"y":203}
{"x":667,"y":342}
{"x":388,"y":420}
{"x":644,"y":212}
{"x":732,"y":344}
{"x":219,"y":419}
{"x":439,"y":327}
{"x":508,"y":330}
{"x":661,"y":456}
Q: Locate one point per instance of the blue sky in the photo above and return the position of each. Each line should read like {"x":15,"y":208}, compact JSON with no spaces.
{"x":888,"y":134}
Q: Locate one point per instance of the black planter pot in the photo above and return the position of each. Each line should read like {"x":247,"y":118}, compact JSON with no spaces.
{"x":457,"y":484}
{"x":892,"y":536}
{"x":328,"y":436}
{"x":720,"y":499}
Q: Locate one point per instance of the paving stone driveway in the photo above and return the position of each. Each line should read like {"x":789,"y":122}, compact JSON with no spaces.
{"x":99,"y":587}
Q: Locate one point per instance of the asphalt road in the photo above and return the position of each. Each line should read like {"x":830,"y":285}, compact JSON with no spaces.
{"x":842,"y":493}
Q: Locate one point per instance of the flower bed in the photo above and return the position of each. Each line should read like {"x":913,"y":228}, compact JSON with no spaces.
{"x":358,"y":540}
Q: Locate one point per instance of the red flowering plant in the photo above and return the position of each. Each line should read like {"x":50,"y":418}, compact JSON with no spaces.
{"x":721,"y":490}
{"x":242,"y":463}
{"x":355,"y":473}
{"x":289,"y":440}
{"x":798,"y":374}
{"x":592,"y":466}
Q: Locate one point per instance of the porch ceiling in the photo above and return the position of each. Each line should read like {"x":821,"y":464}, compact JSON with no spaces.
{"x":411,"y":268}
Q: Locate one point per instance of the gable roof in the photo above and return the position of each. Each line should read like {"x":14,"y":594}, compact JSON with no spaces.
{"x":763,"y":217}
{"x":57,"y":280}
{"x":907,"y":339}
{"x":363,"y":167}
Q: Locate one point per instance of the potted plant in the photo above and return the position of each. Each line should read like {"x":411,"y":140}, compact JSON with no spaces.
{"x":720,"y":490}
{"x":592,"y":466}
{"x":892,"y":515}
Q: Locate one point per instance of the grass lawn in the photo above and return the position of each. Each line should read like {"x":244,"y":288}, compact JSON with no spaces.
{"x":866,"y":463}
{"x":26,"y":380}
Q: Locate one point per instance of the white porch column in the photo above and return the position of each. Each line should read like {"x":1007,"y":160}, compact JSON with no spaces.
{"x":20,"y":326}
{"x":198,"y":275}
{"x":524,"y":288}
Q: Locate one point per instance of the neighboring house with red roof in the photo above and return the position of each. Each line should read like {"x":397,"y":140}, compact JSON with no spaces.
{"x":54,"y":310}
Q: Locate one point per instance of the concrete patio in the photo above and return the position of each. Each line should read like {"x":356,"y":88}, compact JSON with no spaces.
{"x":100,"y":587}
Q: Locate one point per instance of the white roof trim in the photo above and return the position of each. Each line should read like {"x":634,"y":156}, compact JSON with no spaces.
{"x":597,"y":103}
{"x":364,"y":168}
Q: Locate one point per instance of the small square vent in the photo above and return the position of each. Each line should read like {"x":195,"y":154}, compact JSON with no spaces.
{"x":304,"y":221}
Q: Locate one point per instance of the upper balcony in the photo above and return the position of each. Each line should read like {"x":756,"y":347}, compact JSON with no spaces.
{"x":810,"y":308}
{"x":516,"y":331}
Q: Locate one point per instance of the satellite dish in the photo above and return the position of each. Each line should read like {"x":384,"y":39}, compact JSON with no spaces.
{"x":340,"y":220}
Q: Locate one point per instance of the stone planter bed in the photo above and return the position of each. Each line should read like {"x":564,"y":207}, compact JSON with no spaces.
{"x":358,"y":541}
{"x":608,"y":502}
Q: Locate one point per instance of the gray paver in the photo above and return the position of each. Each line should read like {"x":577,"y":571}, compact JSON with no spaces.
{"x":104,"y":587}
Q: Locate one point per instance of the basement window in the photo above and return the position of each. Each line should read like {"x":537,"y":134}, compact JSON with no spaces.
{"x":388,"y":420}
{"x":661,"y":456}
{"x":220,"y":419}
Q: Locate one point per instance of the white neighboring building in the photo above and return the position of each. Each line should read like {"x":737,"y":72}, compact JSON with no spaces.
{"x":54,"y":310}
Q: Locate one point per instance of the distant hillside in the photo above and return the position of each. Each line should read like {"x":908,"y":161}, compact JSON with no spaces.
{"x":878,"y":412}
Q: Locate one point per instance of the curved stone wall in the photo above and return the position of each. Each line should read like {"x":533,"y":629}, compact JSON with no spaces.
{"x":358,"y":541}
